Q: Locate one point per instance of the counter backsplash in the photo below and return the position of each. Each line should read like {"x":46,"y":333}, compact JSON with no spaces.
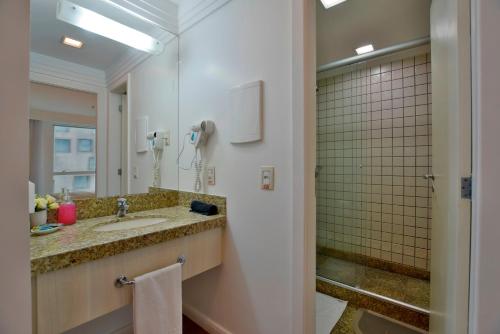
{"x":156,"y":198}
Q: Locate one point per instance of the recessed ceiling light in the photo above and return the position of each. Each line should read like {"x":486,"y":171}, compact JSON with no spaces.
{"x":72,"y":42}
{"x":106,"y":27}
{"x":364,"y":49}
{"x":331,"y":3}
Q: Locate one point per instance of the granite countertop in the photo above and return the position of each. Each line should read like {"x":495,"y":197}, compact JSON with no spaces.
{"x":79,"y":243}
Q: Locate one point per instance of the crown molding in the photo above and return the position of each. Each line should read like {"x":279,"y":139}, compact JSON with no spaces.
{"x":116,"y":72}
{"x":192,"y":12}
{"x":48,"y":69}
{"x":162,"y":13}
{"x":124,"y":65}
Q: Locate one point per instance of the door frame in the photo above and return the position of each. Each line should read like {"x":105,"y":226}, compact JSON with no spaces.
{"x":451,"y":223}
{"x":485,"y":229}
{"x":303,"y":254}
{"x":121,"y":87}
{"x":304,"y":26}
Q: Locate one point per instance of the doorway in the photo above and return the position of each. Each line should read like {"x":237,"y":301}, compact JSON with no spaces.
{"x":118,"y":183}
{"x":390,"y":164}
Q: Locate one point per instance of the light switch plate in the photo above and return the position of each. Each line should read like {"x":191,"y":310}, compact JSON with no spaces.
{"x":267,"y":178}
{"x":166,"y":137}
{"x":211,"y":176}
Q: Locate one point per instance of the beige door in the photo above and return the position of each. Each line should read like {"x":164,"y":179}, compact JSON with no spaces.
{"x":451,"y":155}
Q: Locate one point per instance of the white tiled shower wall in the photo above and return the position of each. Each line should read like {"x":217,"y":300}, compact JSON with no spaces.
{"x":373,"y":148}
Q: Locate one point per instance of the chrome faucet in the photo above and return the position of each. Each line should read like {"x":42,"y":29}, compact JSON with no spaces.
{"x":122,"y":207}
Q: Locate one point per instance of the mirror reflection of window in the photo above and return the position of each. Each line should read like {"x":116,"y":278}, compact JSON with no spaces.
{"x":85,"y":145}
{"x":62,"y":145}
{"x":74,"y":159}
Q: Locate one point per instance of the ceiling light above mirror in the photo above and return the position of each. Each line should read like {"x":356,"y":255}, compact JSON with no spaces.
{"x":72,"y":42}
{"x":364,"y":49}
{"x":331,"y":3}
{"x":106,"y":27}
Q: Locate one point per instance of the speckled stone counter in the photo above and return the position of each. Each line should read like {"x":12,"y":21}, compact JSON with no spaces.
{"x":345,"y":323}
{"x":79,"y":243}
{"x":359,"y":300}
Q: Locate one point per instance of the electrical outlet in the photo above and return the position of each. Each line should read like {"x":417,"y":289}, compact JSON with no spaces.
{"x":267,"y":178}
{"x":211,"y":176}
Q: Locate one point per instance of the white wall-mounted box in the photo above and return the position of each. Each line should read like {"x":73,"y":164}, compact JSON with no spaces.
{"x":141,"y":134}
{"x":245,"y":103}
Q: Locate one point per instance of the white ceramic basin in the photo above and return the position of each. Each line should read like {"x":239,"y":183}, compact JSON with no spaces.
{"x":129,"y":224}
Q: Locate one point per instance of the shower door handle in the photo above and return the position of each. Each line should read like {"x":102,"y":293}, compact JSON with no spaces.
{"x":430,"y":177}
{"x":317,"y":170}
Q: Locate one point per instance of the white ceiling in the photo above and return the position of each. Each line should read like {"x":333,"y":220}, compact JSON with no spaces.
{"x":98,"y":52}
{"x":47,"y":31}
{"x":343,"y":28}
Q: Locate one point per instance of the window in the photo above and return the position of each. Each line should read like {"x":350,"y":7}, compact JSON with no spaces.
{"x":62,"y":145}
{"x":74,"y":169}
{"x":91,"y":163}
{"x":81,"y":182}
{"x":85,"y":145}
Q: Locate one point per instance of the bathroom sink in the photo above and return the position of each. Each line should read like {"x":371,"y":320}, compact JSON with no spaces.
{"x":129,"y":224}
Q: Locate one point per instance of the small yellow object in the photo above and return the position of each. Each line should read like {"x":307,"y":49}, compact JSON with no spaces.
{"x":50,"y":199}
{"x":41,"y":203}
{"x":53,"y":206}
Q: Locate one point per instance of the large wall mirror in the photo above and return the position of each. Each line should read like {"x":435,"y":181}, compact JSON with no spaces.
{"x":104,"y":100}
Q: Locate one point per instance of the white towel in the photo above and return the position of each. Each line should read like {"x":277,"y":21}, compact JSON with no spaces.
{"x":158,"y":301}
{"x":328,"y":312}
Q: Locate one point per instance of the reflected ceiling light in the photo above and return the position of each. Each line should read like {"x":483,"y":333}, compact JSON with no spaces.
{"x":106,"y":27}
{"x":331,"y":3}
{"x":364,"y":49}
{"x":72,"y":42}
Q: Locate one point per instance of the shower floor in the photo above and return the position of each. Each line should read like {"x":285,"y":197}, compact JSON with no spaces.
{"x":403,"y":288}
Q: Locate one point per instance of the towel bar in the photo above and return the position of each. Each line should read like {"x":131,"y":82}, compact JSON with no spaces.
{"x":123,"y":280}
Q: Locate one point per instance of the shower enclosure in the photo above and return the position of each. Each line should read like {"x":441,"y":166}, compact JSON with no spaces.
{"x":372,"y":177}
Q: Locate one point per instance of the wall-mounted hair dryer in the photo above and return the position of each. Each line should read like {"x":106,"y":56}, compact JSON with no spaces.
{"x":200,"y":133}
{"x":198,"y":136}
{"x":158,"y":140}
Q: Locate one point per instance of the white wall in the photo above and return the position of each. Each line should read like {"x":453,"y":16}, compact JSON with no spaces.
{"x":485,"y":271}
{"x":345,"y":27}
{"x":154,"y":93}
{"x":241,"y":42}
{"x":62,"y":100}
{"x":15,"y":309}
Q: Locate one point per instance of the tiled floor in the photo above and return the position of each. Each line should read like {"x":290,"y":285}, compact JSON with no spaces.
{"x":403,"y":288}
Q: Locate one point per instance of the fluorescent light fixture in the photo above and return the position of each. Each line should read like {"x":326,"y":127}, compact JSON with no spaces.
{"x":106,"y":27}
{"x":72,"y":42}
{"x":331,"y":3}
{"x":364,"y":49}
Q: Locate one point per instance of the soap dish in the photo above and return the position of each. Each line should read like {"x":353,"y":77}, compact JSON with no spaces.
{"x":45,"y":229}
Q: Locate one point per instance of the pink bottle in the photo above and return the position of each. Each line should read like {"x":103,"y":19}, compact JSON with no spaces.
{"x":67,"y":210}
